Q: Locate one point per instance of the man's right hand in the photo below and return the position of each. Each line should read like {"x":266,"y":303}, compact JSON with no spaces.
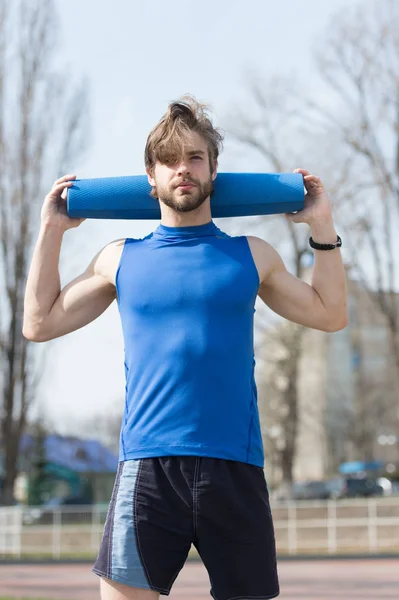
{"x":54,"y":209}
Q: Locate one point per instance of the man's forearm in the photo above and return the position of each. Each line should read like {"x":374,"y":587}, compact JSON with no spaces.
{"x":328,"y":277}
{"x":43,"y":284}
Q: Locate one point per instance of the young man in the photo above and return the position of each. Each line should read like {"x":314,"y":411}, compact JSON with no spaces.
{"x":191,"y":456}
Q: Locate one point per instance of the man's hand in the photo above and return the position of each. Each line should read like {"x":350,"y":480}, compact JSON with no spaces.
{"x":54,"y":209}
{"x":317,"y":209}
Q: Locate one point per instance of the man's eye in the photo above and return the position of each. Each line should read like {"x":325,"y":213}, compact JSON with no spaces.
{"x":199,"y":157}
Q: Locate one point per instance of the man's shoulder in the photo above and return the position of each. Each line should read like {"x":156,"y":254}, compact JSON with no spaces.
{"x":120,"y":242}
{"x":113,"y":249}
{"x":117,"y":246}
{"x":257,"y":244}
{"x":108,"y":259}
{"x":110,"y":256}
{"x":265,"y":257}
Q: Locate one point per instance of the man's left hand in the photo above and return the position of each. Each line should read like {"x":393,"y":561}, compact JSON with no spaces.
{"x":317,"y":208}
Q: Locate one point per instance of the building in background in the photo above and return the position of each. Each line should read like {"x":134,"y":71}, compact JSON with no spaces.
{"x":73,"y":467}
{"x":348,"y":395}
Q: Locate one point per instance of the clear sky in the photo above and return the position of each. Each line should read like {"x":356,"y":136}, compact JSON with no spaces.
{"x":138,"y":56}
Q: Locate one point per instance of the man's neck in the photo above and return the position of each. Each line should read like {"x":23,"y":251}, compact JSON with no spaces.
{"x":172,"y":218}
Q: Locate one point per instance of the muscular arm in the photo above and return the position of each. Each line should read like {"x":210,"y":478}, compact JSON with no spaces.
{"x":321,"y":305}
{"x":50,"y":312}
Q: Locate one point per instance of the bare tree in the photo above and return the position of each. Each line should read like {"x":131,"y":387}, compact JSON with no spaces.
{"x":358,"y":59}
{"x":41,"y":129}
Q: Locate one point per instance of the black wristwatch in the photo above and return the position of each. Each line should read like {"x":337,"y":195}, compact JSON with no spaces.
{"x":318,"y":246}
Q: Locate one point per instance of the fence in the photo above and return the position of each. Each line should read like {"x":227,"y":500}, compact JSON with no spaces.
{"x":322,"y":527}
{"x":338,"y":526}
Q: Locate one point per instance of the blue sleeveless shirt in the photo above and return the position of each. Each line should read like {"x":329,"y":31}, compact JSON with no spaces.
{"x":186,"y":298}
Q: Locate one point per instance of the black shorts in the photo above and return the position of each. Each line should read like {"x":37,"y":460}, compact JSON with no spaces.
{"x":160,"y":506}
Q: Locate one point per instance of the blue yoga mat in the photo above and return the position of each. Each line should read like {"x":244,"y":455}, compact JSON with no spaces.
{"x":235,"y":195}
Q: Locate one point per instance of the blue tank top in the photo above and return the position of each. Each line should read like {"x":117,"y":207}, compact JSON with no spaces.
{"x":186,"y":298}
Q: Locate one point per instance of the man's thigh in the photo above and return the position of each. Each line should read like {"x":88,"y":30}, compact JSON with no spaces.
{"x":149,"y":526}
{"x":112,"y":590}
{"x":235,"y":534}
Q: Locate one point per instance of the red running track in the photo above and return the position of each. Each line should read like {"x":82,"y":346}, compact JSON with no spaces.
{"x":368,"y":579}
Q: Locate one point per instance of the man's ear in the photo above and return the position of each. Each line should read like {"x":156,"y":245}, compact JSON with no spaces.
{"x":214,"y":174}
{"x":151,"y":179}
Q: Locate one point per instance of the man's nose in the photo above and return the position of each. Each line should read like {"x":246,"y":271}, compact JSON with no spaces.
{"x":183,"y":168}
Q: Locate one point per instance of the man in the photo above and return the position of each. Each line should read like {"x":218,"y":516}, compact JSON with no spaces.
{"x":191,"y":456}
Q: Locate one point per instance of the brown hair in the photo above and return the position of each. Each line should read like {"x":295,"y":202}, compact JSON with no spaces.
{"x":165,"y":142}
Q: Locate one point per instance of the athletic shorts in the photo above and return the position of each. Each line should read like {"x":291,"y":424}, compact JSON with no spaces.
{"x":160,"y":506}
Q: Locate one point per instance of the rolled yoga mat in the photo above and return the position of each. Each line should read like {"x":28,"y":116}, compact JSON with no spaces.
{"x":235,"y":195}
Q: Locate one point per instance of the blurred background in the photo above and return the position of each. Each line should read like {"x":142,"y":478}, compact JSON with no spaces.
{"x":310,"y":84}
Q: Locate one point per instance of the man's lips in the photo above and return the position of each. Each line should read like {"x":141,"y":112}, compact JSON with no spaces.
{"x":186,"y":186}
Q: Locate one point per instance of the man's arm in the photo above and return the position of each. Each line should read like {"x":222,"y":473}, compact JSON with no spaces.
{"x":321,"y":305}
{"x":50,"y":312}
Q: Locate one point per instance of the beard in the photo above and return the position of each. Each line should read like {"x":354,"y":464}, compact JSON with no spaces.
{"x":181,"y":200}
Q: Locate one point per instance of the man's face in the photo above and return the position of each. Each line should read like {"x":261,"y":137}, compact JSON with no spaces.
{"x":185,"y":185}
